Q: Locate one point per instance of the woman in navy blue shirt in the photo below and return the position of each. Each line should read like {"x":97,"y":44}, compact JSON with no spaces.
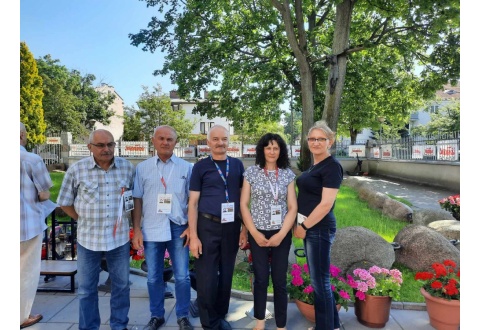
{"x":317,"y":191}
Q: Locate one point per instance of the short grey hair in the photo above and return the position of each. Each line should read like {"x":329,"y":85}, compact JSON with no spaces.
{"x":22,"y":127}
{"x":217,"y":126}
{"x":322,"y":125}
{"x":166,"y":126}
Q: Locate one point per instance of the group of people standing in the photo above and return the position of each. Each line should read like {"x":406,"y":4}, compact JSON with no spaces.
{"x":208,"y":210}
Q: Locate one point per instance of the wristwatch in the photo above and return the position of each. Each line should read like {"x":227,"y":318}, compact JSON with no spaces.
{"x":303,"y":226}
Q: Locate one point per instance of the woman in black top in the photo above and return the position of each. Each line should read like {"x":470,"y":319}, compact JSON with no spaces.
{"x":317,"y":191}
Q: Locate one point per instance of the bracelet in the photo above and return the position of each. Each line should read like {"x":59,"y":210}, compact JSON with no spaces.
{"x":303,"y":226}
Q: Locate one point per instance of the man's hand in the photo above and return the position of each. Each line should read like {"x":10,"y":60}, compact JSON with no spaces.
{"x":137,"y":240}
{"x":186,"y":237}
{"x":195,"y":247}
{"x":243,"y":240}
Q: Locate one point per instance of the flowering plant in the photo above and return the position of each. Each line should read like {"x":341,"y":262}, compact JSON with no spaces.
{"x":443,"y":282}
{"x":299,"y":286}
{"x":167,"y":262}
{"x":377,"y":281}
{"x":452,"y":205}
{"x":342,"y":288}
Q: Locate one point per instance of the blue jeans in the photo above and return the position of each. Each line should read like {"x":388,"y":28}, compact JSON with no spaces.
{"x":154,"y":256}
{"x":118,"y":263}
{"x":318,"y":242}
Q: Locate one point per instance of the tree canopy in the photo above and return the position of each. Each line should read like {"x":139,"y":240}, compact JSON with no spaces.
{"x":257,"y":53}
{"x":70,"y":101}
{"x":31,"y":95}
{"x":154,"y":110}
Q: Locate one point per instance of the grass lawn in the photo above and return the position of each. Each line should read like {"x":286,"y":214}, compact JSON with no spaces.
{"x":350,"y":211}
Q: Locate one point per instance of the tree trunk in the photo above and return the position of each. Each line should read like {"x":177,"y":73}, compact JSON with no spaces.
{"x":338,"y":64}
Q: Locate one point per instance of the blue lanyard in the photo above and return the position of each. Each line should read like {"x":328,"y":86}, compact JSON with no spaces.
{"x":221,"y":175}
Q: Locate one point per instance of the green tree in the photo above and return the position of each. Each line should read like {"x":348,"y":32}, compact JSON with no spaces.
{"x":155,"y":109}
{"x":132,"y":125}
{"x":31,"y":94}
{"x":71,"y":103}
{"x":257,"y":52}
{"x":446,"y":120}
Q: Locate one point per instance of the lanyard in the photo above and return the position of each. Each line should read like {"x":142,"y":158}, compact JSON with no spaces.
{"x":274,"y":193}
{"x":164,"y":183}
{"x":224,"y":178}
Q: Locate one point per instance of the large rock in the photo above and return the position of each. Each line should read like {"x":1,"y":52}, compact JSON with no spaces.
{"x":359,"y":247}
{"x":448,"y":228}
{"x":377,"y":200}
{"x":421,"y":246}
{"x":397,"y":210}
{"x":425,"y":216}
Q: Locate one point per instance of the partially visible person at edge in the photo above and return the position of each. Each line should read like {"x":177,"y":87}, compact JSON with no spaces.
{"x":92,"y":194}
{"x":317,"y":191}
{"x":269,"y":189}
{"x":160,"y":222}
{"x":215,"y":227}
{"x":35,"y":183}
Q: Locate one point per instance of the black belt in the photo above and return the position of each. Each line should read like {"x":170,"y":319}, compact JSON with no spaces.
{"x":211,"y":217}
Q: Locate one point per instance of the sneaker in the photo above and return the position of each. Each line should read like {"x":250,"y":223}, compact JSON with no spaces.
{"x":184,"y":324}
{"x":155,"y":323}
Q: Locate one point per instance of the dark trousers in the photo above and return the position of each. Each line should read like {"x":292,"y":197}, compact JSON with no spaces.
{"x":277,"y":267}
{"x":214,"y":269}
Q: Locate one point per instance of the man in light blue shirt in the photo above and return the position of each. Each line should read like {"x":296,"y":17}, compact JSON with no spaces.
{"x":160,"y":222}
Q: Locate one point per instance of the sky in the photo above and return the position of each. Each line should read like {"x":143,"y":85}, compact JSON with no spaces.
{"x":91,"y":36}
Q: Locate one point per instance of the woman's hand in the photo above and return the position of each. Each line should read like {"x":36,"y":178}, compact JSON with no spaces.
{"x":299,"y":232}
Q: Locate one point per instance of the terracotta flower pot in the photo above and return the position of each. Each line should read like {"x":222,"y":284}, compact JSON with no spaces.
{"x":374,"y":311}
{"x":444,"y":314}
{"x":308,"y":311}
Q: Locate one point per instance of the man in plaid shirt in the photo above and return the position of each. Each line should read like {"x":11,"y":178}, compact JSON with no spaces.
{"x":92,"y":193}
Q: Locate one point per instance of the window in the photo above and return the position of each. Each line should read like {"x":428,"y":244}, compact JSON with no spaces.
{"x":202,"y":128}
{"x":434,"y":109}
{"x":211,"y":124}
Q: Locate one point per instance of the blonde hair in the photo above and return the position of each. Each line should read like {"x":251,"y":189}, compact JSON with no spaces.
{"x":322,"y":125}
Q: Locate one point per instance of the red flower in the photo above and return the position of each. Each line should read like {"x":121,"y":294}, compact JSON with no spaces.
{"x":443,"y":282}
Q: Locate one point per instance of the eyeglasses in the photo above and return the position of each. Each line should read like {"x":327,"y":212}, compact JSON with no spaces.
{"x":103,"y":145}
{"x":317,"y":139}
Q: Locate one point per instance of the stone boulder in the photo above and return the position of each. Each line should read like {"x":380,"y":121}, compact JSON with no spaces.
{"x":397,"y":210}
{"x":377,"y":200}
{"x":421,"y":246}
{"x":448,"y":228}
{"x":359,"y":247}
{"x":352,"y":182}
{"x":59,"y":167}
{"x":425,"y":216}
{"x":366,"y":193}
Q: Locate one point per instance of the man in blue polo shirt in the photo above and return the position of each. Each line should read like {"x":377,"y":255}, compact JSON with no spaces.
{"x":215,"y":222}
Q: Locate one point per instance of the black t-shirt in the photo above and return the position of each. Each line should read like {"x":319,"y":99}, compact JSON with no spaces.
{"x":329,"y":174}
{"x":207,"y":180}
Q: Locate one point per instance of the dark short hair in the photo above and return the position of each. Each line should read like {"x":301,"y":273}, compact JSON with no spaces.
{"x":283,"y":161}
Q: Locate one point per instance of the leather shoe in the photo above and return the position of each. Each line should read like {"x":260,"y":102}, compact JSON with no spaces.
{"x":32,"y":319}
{"x":224,"y":325}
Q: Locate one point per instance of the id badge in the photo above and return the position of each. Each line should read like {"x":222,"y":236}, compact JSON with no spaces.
{"x":128,"y":200}
{"x":276,"y":215}
{"x":164,"y":204}
{"x":228,"y":212}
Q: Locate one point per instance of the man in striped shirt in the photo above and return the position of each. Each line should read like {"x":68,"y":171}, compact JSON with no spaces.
{"x":92,"y":193}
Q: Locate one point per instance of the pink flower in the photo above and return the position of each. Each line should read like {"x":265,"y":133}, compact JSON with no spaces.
{"x":308,"y":289}
{"x":297,"y":281}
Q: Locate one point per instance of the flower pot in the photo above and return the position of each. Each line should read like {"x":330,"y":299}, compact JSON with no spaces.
{"x":308,"y":311}
{"x":444,"y":314}
{"x":374,"y":311}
